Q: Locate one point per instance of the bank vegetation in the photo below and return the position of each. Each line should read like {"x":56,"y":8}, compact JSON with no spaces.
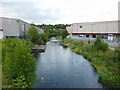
{"x":105,"y":61}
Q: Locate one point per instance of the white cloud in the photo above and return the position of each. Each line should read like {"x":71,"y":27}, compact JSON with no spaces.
{"x":60,"y":11}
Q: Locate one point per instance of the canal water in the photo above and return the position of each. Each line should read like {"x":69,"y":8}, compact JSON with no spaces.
{"x":59,"y":67}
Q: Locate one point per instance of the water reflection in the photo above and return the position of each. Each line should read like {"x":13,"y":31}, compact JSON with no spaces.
{"x":61,"y":68}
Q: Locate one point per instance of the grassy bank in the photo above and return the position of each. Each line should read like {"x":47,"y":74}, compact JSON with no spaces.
{"x":18,"y":64}
{"x":105,"y":61}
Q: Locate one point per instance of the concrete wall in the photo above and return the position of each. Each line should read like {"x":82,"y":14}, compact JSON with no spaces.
{"x":112,"y":27}
{"x":99,"y":27}
{"x":10,"y":27}
{"x":1,"y":31}
{"x":86,"y":28}
{"x":1,"y":34}
{"x":70,"y":30}
{"x":13,"y":27}
{"x":23,"y":27}
{"x":0,"y":23}
{"x":94,"y":27}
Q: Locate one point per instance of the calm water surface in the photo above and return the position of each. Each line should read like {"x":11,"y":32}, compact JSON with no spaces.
{"x":61,"y":68}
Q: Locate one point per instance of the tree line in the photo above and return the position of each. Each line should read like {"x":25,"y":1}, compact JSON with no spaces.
{"x":56,"y":26}
{"x":49,"y":31}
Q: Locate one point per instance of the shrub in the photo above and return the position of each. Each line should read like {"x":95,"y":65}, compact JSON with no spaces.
{"x":104,"y":46}
{"x":18,"y":63}
{"x":89,"y":42}
{"x":81,"y":43}
{"x":76,"y":50}
{"x":44,"y":37}
{"x":100,"y":44}
{"x":37,"y":38}
{"x":40,"y":42}
{"x":97,"y":42}
{"x":33,"y":35}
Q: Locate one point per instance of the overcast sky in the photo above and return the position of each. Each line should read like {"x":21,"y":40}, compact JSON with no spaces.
{"x":60,"y":11}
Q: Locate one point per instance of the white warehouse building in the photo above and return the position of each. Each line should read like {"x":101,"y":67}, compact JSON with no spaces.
{"x":105,"y":29}
{"x":10,"y":27}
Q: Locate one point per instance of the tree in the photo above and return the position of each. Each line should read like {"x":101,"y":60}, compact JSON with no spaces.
{"x":33,"y":35}
{"x":45,"y":37}
{"x":100,"y":44}
{"x":97,"y":42}
{"x":64,"y":33}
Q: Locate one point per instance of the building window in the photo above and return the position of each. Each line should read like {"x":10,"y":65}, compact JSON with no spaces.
{"x":94,"y":36}
{"x":81,"y":27}
{"x":87,"y":35}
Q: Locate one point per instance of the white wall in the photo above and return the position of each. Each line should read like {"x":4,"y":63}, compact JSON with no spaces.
{"x":1,"y":34}
{"x":10,"y":27}
{"x":69,"y":29}
{"x":96,"y":27}
{"x":112,"y":27}
{"x":0,"y":23}
{"x":13,"y":27}
{"x":119,"y":10}
{"x":99,"y":27}
{"x":23,"y":27}
{"x":86,"y":28}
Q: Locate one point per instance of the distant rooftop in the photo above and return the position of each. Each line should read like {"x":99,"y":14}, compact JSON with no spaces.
{"x":98,"y":22}
{"x":14,"y":19}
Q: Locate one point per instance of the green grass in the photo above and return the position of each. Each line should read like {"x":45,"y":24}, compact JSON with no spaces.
{"x":106,"y":62}
{"x":0,"y":75}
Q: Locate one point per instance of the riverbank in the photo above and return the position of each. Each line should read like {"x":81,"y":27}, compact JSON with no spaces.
{"x":106,"y":63}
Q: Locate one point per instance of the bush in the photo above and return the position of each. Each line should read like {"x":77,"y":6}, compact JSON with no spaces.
{"x":89,"y":42}
{"x":18,"y":63}
{"x":97,"y":42}
{"x":33,"y":35}
{"x":37,"y":38}
{"x":44,"y":37}
{"x":104,"y":46}
{"x":100,"y":44}
{"x":77,"y":50}
{"x":40,"y":42}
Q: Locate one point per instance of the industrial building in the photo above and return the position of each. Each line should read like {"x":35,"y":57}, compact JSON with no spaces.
{"x":10,"y":27}
{"x":105,"y":29}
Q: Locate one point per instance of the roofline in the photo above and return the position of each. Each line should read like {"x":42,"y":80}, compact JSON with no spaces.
{"x":15,"y":19}
{"x":97,"y":22}
{"x":94,"y":33}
